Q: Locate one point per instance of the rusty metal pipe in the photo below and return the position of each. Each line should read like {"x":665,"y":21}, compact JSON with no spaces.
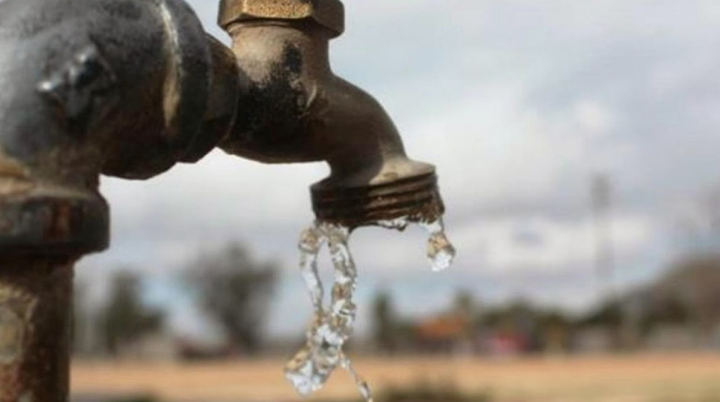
{"x":35,"y":301}
{"x":293,"y":108}
{"x":122,"y":87}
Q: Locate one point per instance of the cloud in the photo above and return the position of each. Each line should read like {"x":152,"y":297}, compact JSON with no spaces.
{"x":543,"y":244}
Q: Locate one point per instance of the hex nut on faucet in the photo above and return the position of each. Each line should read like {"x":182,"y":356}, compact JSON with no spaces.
{"x":327,"y":13}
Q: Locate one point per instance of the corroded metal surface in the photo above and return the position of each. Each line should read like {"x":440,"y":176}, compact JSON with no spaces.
{"x":127,"y":88}
{"x":35,"y":300}
{"x":53,"y":223}
{"x":121,"y":87}
{"x":327,"y":13}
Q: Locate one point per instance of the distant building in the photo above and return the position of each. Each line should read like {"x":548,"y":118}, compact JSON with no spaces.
{"x":450,"y":334}
{"x":505,"y":344}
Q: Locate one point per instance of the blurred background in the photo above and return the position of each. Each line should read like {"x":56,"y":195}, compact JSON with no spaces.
{"x":576,"y":145}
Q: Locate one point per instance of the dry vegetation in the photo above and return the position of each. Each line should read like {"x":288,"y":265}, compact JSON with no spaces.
{"x":678,"y":378}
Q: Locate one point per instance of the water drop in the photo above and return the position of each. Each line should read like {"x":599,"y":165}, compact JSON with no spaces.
{"x":360,"y":382}
{"x":440,"y":251}
{"x":398,"y":224}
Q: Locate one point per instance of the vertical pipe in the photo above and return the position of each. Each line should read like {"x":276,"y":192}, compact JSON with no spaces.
{"x":123,"y":87}
{"x":35,"y":306}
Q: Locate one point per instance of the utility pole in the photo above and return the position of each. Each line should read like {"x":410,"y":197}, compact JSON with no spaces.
{"x":604,"y":251}
{"x":622,"y":334}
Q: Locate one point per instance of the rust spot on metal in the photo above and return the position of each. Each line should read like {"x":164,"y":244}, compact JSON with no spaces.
{"x":11,"y":335}
{"x":61,"y":221}
{"x":35,"y":300}
{"x":13,"y":177}
{"x":11,"y":168}
{"x":27,"y":397}
{"x":16,"y":310}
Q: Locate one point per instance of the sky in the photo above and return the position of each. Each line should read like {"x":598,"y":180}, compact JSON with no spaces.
{"x":519,"y":104}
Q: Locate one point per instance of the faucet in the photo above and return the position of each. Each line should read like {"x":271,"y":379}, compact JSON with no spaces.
{"x":130,"y":88}
{"x":294,"y":109}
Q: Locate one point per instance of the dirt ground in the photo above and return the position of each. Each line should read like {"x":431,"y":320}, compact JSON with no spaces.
{"x":646,"y":378}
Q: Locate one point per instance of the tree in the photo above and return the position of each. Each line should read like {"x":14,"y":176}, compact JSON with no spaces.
{"x":465,"y":306}
{"x":81,"y":320}
{"x":692,"y":289}
{"x":385,"y":326}
{"x":235,"y":291}
{"x":125,"y":319}
{"x":609,"y":314}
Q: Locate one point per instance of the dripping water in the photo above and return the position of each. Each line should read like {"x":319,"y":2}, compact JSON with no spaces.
{"x":440,"y":251}
{"x":332,"y":325}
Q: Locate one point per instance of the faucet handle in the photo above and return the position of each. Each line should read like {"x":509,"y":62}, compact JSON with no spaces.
{"x":327,"y":13}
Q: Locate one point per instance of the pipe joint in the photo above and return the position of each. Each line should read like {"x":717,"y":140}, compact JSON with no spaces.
{"x":126,"y":88}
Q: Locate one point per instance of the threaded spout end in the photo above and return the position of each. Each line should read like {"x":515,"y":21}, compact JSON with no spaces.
{"x":416,"y":198}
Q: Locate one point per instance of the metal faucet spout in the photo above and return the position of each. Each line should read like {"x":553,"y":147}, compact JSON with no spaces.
{"x":293,"y":108}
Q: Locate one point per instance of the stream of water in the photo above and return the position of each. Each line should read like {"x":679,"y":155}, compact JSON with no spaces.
{"x":332,"y":325}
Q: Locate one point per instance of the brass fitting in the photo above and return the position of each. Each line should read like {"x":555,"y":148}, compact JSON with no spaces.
{"x":327,"y":13}
{"x":292,"y":108}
